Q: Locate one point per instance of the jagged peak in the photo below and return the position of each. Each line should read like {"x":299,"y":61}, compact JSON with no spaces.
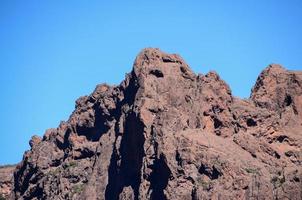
{"x":213,"y":75}
{"x":273,"y":69}
{"x":277,"y":88}
{"x":35,"y":140}
{"x":100,"y":89}
{"x":270,"y":72}
{"x":154,"y":58}
{"x":154,"y":55}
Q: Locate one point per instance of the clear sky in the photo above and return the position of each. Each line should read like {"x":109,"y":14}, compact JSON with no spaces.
{"x":52,"y":52}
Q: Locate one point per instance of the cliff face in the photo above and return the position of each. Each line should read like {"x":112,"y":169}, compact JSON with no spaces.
{"x":167,"y":133}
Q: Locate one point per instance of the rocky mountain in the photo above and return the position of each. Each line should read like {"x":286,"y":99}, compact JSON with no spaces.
{"x":168,"y":133}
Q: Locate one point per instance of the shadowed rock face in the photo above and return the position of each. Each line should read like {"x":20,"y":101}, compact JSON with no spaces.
{"x":167,"y":133}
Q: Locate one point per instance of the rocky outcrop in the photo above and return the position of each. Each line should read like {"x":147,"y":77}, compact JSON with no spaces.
{"x":167,"y":133}
{"x":6,"y":180}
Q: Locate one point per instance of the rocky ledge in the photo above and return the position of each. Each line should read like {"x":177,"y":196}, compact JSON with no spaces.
{"x":168,"y":133}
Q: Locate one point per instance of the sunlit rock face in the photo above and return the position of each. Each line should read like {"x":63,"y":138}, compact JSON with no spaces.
{"x":167,"y":133}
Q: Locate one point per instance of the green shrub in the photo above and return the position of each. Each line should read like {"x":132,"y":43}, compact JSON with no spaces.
{"x":70,"y":164}
{"x":54,"y":172}
{"x":204,"y":184}
{"x":252,"y":170}
{"x":78,"y":188}
{"x":277,"y":181}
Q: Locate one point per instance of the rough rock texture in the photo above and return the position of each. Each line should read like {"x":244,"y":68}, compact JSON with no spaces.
{"x":6,"y":180}
{"x":167,"y":133}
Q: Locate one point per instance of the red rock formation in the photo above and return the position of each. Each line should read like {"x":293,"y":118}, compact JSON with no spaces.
{"x":167,"y":133}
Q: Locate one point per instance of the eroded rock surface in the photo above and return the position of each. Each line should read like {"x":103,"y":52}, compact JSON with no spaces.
{"x":167,"y":133}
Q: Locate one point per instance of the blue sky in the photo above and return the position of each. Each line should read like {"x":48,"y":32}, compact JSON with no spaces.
{"x":52,"y":52}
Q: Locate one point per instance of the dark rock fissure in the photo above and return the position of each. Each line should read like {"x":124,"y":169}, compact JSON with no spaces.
{"x":178,"y":159}
{"x":276,"y":155}
{"x":22,"y":188}
{"x":250,"y":122}
{"x":65,"y":144}
{"x":159,"y":178}
{"x":37,"y":193}
{"x":212,"y":173}
{"x":85,"y":153}
{"x":288,"y":100}
{"x":99,"y":128}
{"x":168,"y":60}
{"x":113,"y":182}
{"x":128,"y":172}
{"x":194,"y":194}
{"x":157,"y":73}
{"x":217,"y":123}
{"x":132,"y":153}
{"x":282,"y":138}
